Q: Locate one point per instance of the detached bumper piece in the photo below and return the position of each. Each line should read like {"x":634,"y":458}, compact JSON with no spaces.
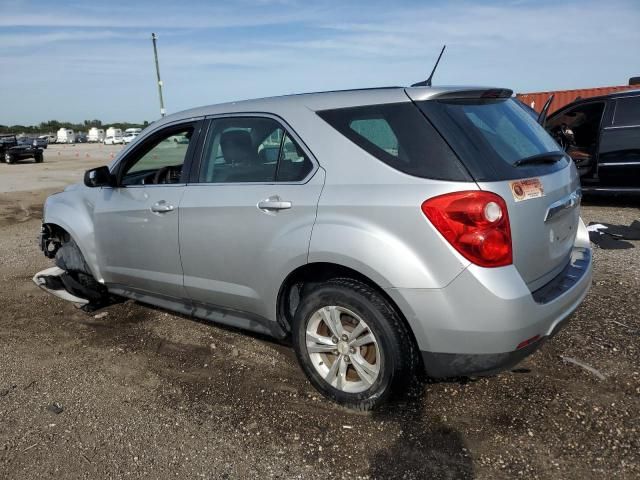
{"x":52,"y":280}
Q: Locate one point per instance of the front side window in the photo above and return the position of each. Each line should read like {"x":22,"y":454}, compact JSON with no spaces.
{"x":251,"y":150}
{"x":578,"y":126}
{"x":161,"y":160}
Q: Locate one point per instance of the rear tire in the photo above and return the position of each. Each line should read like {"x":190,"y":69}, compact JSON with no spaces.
{"x":8,"y":158}
{"x":38,"y":158}
{"x":367,"y":354}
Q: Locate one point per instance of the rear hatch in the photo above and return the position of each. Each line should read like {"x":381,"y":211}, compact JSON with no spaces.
{"x":507,"y":152}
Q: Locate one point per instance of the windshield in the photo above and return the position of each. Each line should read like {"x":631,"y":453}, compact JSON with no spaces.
{"x":492,"y":135}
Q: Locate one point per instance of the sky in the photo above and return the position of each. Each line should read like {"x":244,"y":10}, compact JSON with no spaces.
{"x":72,"y":61}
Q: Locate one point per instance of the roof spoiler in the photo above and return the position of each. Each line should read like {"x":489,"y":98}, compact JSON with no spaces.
{"x":474,"y":94}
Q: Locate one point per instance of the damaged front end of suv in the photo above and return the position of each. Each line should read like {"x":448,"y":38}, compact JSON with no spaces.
{"x":71,"y":278}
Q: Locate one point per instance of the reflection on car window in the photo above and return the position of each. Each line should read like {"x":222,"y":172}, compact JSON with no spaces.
{"x":162,"y":162}
{"x":377,"y":131}
{"x":252,"y":149}
{"x":508,"y":129}
{"x":294,"y":164}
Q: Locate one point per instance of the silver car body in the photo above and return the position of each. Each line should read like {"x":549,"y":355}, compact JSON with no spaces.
{"x":217,"y":255}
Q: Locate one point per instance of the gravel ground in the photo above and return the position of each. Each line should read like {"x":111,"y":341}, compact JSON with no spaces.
{"x":146,"y":393}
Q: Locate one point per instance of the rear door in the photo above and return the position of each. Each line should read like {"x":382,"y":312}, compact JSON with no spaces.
{"x":509,"y":153}
{"x":619,"y":159}
{"x":246,"y":219}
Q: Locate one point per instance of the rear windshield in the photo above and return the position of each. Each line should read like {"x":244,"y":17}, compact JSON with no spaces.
{"x":399,"y":135}
{"x":491,"y":135}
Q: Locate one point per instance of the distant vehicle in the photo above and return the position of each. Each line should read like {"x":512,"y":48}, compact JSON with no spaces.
{"x":129,"y":136}
{"x":41,"y":142}
{"x":602,"y":136}
{"x":113,"y":136}
{"x":66,"y":135}
{"x":81,"y":137}
{"x":95,"y":135}
{"x":113,"y":132}
{"x":13,"y":151}
{"x":112,"y":140}
{"x":132,"y":130}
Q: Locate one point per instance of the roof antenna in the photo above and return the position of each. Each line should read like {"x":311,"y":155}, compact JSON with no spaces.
{"x":427,"y":82}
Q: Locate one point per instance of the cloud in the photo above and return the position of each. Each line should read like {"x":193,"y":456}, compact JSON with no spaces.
{"x":10,"y":41}
{"x":100,"y":53}
{"x":143,"y":14}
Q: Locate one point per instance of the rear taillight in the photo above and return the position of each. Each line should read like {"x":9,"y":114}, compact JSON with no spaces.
{"x":475,"y":223}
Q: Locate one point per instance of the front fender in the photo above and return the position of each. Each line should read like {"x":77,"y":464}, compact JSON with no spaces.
{"x":72,"y":210}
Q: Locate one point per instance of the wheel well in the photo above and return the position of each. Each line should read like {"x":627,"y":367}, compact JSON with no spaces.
{"x":306,"y":276}
{"x":53,"y":236}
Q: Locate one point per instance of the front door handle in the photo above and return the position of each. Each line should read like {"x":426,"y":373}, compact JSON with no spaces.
{"x":161,"y":207}
{"x":274,"y":203}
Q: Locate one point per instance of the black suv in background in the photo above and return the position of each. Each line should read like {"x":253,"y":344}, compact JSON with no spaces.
{"x":602,"y":135}
{"x":11,"y":151}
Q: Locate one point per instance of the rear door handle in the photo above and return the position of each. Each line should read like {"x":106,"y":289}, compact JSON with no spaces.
{"x":274,"y":203}
{"x":161,"y":207}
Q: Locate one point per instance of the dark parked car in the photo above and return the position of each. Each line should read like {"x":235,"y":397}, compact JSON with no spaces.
{"x":12,"y":151}
{"x":41,"y":142}
{"x":602,"y":136}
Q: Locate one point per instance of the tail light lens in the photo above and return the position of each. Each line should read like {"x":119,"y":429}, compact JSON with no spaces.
{"x":475,"y":223}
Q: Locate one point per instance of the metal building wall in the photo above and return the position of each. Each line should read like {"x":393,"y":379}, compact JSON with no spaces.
{"x":563,"y":97}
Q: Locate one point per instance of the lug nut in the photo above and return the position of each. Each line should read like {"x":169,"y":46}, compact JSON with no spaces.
{"x":334,"y":339}
{"x":352,"y":350}
{"x":345,"y":338}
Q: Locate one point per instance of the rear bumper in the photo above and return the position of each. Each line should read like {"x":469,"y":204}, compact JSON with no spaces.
{"x":475,"y":325}
{"x":444,"y":365}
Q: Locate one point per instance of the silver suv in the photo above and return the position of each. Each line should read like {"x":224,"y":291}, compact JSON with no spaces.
{"x":385,"y":231}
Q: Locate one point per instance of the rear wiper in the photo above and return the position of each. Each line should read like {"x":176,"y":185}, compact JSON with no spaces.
{"x":549,"y":157}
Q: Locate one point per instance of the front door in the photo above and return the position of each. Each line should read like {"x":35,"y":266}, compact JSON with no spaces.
{"x":247,"y":221}
{"x":136,"y":223}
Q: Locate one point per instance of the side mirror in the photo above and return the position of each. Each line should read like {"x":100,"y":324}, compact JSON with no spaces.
{"x":98,"y":177}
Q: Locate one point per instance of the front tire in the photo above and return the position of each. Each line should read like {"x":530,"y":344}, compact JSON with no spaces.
{"x":8,"y":158}
{"x":352,"y":344}
{"x":38,"y":158}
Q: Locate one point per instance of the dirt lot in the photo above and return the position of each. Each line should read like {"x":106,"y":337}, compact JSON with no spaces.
{"x":146,"y":393}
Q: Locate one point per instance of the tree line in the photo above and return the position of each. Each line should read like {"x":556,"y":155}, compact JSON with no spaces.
{"x":53,"y":126}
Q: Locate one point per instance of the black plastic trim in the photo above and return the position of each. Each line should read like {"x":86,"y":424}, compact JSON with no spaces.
{"x":567,"y":278}
{"x":447,"y":365}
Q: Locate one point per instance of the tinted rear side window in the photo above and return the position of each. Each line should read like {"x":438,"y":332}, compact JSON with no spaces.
{"x":491,"y":135}
{"x":627,"y":112}
{"x":400,"y":136}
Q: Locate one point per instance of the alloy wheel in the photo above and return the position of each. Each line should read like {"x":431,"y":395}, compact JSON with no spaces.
{"x":343,"y":349}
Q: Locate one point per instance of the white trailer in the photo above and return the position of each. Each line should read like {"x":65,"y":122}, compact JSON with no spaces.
{"x":113,"y":136}
{"x":95,"y":135}
{"x":65,"y":135}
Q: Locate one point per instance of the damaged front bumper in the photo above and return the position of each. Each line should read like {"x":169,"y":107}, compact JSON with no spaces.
{"x":55,"y":281}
